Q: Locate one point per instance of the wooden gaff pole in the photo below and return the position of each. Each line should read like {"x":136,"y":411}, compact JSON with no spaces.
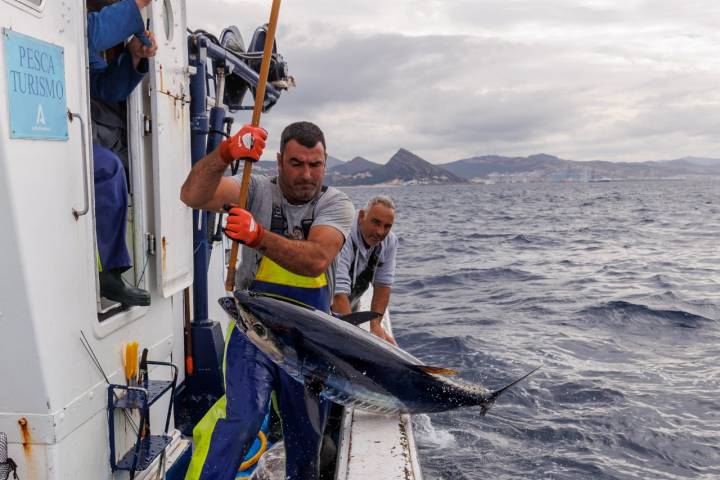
{"x":257,"y":110}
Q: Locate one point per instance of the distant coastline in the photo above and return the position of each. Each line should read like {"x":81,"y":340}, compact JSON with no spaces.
{"x":406,"y":168}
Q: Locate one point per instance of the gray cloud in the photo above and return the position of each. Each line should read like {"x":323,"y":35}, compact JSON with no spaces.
{"x":579,"y":79}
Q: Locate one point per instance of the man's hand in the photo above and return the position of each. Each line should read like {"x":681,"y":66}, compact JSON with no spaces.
{"x":378,"y":330}
{"x":248,"y":143}
{"x":242,"y":227}
{"x":139,"y":51}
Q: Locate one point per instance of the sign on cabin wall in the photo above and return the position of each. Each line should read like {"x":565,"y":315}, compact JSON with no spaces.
{"x":35,"y":74}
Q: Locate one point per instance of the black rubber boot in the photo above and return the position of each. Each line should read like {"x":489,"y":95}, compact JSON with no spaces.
{"x":113,"y":287}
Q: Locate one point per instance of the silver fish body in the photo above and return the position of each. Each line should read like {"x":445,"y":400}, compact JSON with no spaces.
{"x":346,"y":364}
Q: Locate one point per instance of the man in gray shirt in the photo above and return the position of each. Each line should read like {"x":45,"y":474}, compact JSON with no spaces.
{"x":368,"y":257}
{"x":294,"y":228}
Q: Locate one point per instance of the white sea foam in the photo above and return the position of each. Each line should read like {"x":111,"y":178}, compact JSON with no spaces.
{"x":427,"y":434}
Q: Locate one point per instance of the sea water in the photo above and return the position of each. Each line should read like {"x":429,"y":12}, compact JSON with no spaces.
{"x":613,"y":287}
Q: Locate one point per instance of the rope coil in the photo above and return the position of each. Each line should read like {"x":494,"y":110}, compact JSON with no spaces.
{"x":253,"y":460}
{"x":7,"y":465}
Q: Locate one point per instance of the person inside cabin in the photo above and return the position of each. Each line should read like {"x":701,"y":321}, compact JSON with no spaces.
{"x":113,"y":77}
{"x":368,"y":257}
{"x":293,"y":228}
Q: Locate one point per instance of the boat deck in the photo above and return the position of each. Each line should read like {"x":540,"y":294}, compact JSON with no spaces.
{"x":374,"y":445}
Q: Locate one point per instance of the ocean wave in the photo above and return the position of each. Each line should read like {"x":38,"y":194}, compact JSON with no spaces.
{"x":620,"y":312}
{"x":586,"y":393}
{"x":502,"y":276}
{"x":469,"y":276}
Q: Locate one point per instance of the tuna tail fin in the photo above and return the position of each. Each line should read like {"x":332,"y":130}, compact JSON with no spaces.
{"x":490,"y":399}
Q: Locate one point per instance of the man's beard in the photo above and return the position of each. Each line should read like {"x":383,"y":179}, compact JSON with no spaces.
{"x":304,"y":192}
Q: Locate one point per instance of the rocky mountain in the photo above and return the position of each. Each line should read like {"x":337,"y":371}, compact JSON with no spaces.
{"x":548,"y":168}
{"x":356,"y":165}
{"x":403,"y":168}
{"x":332,"y":162}
{"x":474,"y":167}
{"x":695,"y":164}
{"x":346,"y":173}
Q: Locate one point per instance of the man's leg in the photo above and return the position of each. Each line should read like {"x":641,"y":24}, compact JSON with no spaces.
{"x":111,"y":204}
{"x":249,"y":376}
{"x":303,"y":420}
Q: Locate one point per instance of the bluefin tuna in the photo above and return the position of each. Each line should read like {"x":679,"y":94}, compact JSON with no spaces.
{"x":336,"y":360}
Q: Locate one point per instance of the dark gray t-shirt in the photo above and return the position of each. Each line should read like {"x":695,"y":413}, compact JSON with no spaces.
{"x":333,"y":209}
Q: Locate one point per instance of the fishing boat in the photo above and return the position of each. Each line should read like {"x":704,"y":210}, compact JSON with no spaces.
{"x":72,"y":404}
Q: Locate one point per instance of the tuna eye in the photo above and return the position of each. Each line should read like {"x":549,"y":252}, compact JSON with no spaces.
{"x":259,"y":330}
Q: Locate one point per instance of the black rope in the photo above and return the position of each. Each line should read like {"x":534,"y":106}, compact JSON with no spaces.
{"x":12,"y":468}
{"x":96,"y":361}
{"x":218,"y":132}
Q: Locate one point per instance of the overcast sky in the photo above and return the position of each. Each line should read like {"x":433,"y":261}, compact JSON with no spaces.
{"x":619,"y":80}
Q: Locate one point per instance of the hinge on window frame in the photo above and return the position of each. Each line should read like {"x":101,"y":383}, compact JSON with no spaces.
{"x":147,"y":125}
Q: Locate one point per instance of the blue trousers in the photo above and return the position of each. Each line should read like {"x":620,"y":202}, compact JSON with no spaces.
{"x":251,"y":377}
{"x":111,"y":204}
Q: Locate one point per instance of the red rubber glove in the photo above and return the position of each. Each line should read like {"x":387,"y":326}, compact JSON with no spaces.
{"x":242,"y":227}
{"x":247,"y":143}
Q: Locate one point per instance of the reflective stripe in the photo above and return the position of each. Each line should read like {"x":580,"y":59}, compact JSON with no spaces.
{"x":202,"y":433}
{"x":271,"y":272}
{"x":315,"y":297}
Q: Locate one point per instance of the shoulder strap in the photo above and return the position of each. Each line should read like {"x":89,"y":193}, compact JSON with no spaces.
{"x":278,"y":223}
{"x":307,"y":222}
{"x":363,"y":280}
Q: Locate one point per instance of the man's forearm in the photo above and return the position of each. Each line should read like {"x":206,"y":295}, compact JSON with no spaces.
{"x":301,"y":257}
{"x":203,"y":181}
{"x":341,"y":304}
{"x":380,"y":300}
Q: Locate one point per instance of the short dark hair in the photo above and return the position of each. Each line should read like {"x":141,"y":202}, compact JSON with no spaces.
{"x":306,"y":134}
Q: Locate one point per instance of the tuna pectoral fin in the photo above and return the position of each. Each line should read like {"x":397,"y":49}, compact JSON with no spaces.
{"x":313,"y":388}
{"x":490,"y":399}
{"x":436,"y":370}
{"x":358,"y":318}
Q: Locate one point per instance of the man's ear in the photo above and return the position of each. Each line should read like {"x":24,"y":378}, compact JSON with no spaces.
{"x":361,"y":215}
{"x":279,"y":160}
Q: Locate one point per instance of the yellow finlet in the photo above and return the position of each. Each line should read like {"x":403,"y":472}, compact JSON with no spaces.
{"x":437,"y":370}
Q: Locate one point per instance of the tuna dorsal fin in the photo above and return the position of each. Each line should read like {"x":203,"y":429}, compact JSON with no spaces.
{"x":358,"y":318}
{"x":437,"y":370}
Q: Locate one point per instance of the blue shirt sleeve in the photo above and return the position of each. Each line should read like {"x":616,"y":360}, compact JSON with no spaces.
{"x":116,"y":81}
{"x":343,"y":281}
{"x":107,"y":28}
{"x":385,"y":274}
{"x":112,"y":25}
